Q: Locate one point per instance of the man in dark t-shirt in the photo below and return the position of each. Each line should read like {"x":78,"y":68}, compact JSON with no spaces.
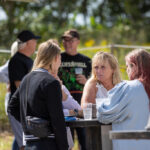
{"x":19,"y":65}
{"x":74,"y":72}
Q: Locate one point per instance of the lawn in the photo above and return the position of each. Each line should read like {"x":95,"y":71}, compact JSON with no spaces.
{"x":6,"y":139}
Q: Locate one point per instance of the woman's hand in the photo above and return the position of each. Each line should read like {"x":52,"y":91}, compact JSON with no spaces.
{"x":81,"y":79}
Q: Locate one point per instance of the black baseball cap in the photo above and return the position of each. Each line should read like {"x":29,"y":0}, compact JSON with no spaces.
{"x":27,"y":35}
{"x":73,"y":33}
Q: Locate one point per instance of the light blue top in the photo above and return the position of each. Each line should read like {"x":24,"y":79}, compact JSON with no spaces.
{"x":70,"y":103}
{"x":127,"y":108}
{"x":4,"y":73}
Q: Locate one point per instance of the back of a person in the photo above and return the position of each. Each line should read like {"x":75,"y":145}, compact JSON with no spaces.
{"x":18,"y":62}
{"x":37,"y":83}
{"x":138,"y":112}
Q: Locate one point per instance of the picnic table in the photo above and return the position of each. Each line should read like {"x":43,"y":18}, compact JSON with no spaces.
{"x":97,"y":134}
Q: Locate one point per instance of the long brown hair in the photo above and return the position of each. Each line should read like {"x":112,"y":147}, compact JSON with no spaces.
{"x":141,"y":58}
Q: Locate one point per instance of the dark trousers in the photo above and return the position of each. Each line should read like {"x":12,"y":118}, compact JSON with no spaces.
{"x":15,"y":145}
{"x":42,"y":144}
{"x":81,"y":137}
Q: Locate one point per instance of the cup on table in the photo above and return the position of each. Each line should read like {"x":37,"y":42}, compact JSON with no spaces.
{"x":87,"y":111}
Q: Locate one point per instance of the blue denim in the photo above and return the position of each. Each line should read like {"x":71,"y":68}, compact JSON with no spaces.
{"x":15,"y":145}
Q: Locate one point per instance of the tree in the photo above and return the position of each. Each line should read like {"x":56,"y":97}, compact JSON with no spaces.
{"x":48,"y":18}
{"x":130,"y":12}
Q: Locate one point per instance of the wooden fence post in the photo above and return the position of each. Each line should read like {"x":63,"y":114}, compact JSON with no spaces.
{"x":112,"y":49}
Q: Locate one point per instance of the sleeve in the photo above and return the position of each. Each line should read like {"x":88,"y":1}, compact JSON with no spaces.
{"x":70,"y":102}
{"x":66,"y":112}
{"x":14,"y":105}
{"x":16,"y":70}
{"x":4,"y":73}
{"x":54,"y":104}
{"x":114,"y":108}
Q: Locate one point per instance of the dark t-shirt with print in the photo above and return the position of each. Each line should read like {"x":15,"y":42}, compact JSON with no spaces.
{"x":70,"y":67}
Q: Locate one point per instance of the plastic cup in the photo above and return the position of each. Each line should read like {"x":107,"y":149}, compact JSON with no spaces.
{"x":87,"y":111}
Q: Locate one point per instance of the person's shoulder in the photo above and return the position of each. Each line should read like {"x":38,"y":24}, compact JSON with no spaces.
{"x":49,"y":79}
{"x":15,"y":58}
{"x":134,"y":83}
{"x":131,"y":85}
{"x":91,"y":83}
{"x":84,"y":56}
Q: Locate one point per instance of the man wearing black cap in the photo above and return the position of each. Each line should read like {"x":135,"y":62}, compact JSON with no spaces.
{"x":20,"y":64}
{"x":74,"y":71}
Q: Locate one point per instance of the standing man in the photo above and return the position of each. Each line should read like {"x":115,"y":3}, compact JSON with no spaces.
{"x":74,"y":71}
{"x":20,"y":64}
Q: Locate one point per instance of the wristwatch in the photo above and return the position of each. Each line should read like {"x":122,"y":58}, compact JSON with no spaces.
{"x":76,"y":112}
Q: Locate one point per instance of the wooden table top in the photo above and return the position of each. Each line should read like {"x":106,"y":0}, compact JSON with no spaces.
{"x":83,"y":123}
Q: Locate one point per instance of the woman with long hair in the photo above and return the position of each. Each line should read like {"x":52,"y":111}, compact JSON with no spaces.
{"x":39,"y":95}
{"x":105,"y":75}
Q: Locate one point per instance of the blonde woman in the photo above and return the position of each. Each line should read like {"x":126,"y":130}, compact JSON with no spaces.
{"x":44,"y":100}
{"x":105,"y":75}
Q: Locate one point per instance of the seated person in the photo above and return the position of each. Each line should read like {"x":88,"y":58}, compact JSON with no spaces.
{"x":127,"y":104}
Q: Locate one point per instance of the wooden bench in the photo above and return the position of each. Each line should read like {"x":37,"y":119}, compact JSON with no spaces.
{"x":134,"y":134}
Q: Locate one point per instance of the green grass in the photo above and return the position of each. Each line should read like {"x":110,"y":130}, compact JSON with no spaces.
{"x":4,"y":124}
{"x":6,"y":139}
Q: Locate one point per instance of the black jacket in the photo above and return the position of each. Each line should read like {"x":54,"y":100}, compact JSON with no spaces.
{"x":44,"y":100}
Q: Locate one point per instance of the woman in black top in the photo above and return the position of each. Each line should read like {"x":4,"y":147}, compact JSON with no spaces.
{"x":43,"y":100}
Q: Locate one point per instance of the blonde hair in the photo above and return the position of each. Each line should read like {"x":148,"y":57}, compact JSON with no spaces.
{"x":101,"y":57}
{"x":47,"y":51}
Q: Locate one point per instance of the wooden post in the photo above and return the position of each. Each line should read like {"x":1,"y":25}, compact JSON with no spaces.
{"x":112,"y":49}
{"x":93,"y":138}
{"x":106,"y":142}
